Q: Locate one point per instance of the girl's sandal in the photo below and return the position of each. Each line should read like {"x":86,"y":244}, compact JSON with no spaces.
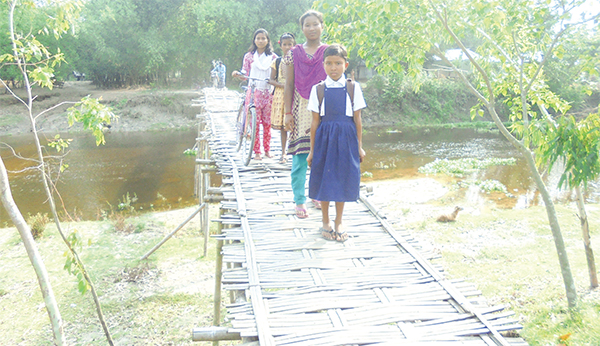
{"x":282,"y":160}
{"x":268,"y":154}
{"x":301,"y":213}
{"x":340,"y":236}
{"x":316,"y":203}
{"x":257,"y":157}
{"x":327,"y":234}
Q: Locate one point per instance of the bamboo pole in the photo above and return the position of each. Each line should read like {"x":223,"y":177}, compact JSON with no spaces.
{"x":206,"y":185}
{"x":168,"y":236}
{"x":214,"y":334}
{"x":218,"y":272}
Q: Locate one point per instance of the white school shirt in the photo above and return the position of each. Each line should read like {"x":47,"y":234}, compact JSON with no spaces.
{"x":359,"y":100}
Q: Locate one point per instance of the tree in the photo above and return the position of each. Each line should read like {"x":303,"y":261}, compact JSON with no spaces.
{"x":142,"y":42}
{"x":572,"y":73}
{"x":576,"y":144}
{"x":36,"y":63}
{"x":518,"y":37}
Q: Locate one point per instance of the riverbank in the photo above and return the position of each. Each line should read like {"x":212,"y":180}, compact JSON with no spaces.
{"x":137,"y":109}
{"x":145,"y":108}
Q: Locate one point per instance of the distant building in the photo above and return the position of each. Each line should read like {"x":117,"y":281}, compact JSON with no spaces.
{"x":362,"y":73}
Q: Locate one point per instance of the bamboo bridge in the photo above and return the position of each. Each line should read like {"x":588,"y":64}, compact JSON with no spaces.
{"x":289,"y":286}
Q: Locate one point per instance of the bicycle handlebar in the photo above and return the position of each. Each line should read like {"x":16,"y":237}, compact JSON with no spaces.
{"x":253,"y":78}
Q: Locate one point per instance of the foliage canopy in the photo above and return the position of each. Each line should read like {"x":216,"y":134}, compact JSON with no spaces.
{"x":119,"y":43}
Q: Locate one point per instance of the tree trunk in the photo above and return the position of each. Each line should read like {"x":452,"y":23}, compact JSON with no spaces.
{"x":559,"y":243}
{"x":587,"y":243}
{"x":46,"y":180}
{"x":34,"y":256}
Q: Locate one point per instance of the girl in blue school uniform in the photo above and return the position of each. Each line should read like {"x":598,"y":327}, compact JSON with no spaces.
{"x":335,"y":141}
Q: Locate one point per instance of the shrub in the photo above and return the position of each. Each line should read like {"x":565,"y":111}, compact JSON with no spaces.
{"x":121,"y":225}
{"x":395,"y":100}
{"x":126,"y":203}
{"x":37,"y":223}
{"x":134,"y":274}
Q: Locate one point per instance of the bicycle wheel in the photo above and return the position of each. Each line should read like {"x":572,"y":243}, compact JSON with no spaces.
{"x":250,"y":136}
{"x":239,"y":127}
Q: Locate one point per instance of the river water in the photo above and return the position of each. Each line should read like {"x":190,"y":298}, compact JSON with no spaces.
{"x":152,"y":166}
{"x":149,"y":165}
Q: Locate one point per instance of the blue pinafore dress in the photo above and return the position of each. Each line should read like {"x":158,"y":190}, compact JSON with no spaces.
{"x":335,"y":169}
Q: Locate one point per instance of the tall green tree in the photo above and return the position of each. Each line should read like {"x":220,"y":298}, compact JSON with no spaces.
{"x":518,"y":37}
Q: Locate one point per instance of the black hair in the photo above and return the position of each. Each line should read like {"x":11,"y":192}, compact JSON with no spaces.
{"x":309,"y":13}
{"x":287,"y":36}
{"x":268,"y":48}
{"x":336,"y":50}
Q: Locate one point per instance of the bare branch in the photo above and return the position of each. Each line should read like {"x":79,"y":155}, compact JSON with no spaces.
{"x":554,"y":42}
{"x":26,"y":169}
{"x":464,"y":49}
{"x":546,"y":55}
{"x":18,"y":155}
{"x":473,"y":90}
{"x":13,"y":94}
{"x":521,"y":80}
{"x":53,"y":107}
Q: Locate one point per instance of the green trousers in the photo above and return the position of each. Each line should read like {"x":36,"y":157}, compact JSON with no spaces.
{"x":299,"y":167}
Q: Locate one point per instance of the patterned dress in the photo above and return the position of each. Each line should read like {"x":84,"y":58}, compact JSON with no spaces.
{"x":277,"y":110}
{"x":262,"y":102}
{"x":299,"y":138}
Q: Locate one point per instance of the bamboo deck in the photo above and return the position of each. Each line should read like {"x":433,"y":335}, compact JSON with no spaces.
{"x":377,"y":288}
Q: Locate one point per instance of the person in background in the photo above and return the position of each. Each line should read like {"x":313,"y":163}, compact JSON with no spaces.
{"x":257,"y":64}
{"x":221,"y":70}
{"x":304,"y":68}
{"x":286,"y":42}
{"x":335,"y":141}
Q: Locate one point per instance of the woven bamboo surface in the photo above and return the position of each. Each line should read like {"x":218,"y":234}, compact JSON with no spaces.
{"x":377,"y":288}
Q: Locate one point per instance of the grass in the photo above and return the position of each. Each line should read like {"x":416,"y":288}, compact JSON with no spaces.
{"x":10,"y":120}
{"x":510,"y":256}
{"x":461,"y":167}
{"x":154,"y":302}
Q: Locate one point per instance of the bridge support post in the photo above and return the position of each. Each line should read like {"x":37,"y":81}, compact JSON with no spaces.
{"x":218,"y":273}
{"x":202,"y":176}
{"x":206,"y":186}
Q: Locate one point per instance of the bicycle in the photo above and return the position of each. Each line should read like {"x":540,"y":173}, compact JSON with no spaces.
{"x":214,"y":77}
{"x":246,"y":122}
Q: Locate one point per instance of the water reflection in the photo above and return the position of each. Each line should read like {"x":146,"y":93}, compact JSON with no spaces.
{"x":408,"y":151}
{"x":392,"y":155}
{"x":150,"y":165}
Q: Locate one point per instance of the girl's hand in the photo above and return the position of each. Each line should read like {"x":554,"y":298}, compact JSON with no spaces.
{"x":310,"y":157}
{"x":361,"y":154}
{"x":238,"y":75}
{"x":288,"y":122}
